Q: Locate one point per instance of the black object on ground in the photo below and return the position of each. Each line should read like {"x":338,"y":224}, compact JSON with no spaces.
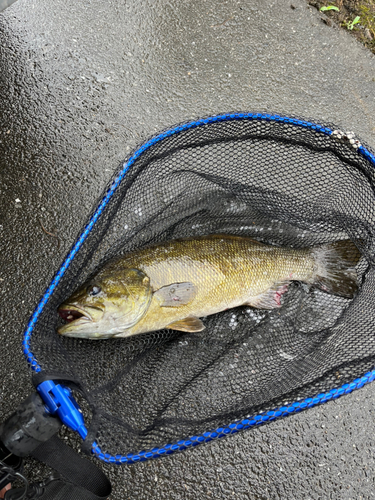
{"x":32,"y":430}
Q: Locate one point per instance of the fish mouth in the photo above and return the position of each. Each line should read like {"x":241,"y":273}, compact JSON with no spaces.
{"x":71,"y":313}
{"x":78,"y":319}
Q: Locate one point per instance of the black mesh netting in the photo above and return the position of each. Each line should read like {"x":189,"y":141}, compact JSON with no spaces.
{"x":278,"y":182}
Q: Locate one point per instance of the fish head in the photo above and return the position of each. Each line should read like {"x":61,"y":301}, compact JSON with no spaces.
{"x":108,"y":304}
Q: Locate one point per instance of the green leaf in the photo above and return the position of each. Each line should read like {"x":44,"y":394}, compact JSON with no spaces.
{"x":329,"y":7}
{"x":350,"y":24}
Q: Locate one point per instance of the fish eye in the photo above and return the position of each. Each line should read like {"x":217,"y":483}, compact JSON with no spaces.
{"x":93,"y":289}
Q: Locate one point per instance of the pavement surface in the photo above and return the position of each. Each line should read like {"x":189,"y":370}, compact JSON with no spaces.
{"x":81,"y":83}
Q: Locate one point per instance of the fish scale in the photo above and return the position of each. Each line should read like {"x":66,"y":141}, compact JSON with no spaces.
{"x":184,"y":280}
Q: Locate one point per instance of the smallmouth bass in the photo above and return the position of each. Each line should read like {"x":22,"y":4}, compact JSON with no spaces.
{"x":172,"y":285}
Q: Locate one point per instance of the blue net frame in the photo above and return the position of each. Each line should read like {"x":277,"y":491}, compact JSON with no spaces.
{"x":67,"y":408}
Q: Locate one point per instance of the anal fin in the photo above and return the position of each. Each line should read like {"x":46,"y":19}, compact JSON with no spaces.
{"x":190,"y":324}
{"x":271,"y":298}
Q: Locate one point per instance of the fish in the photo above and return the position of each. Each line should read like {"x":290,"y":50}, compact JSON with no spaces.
{"x":174,"y":284}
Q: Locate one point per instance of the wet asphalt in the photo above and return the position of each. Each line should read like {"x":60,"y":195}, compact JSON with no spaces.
{"x":81,"y":83}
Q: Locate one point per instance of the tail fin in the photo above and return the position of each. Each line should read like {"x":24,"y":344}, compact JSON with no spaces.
{"x":335,"y":268}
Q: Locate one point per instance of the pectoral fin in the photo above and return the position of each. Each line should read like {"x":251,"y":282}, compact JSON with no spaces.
{"x":190,"y":324}
{"x":175,"y":295}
